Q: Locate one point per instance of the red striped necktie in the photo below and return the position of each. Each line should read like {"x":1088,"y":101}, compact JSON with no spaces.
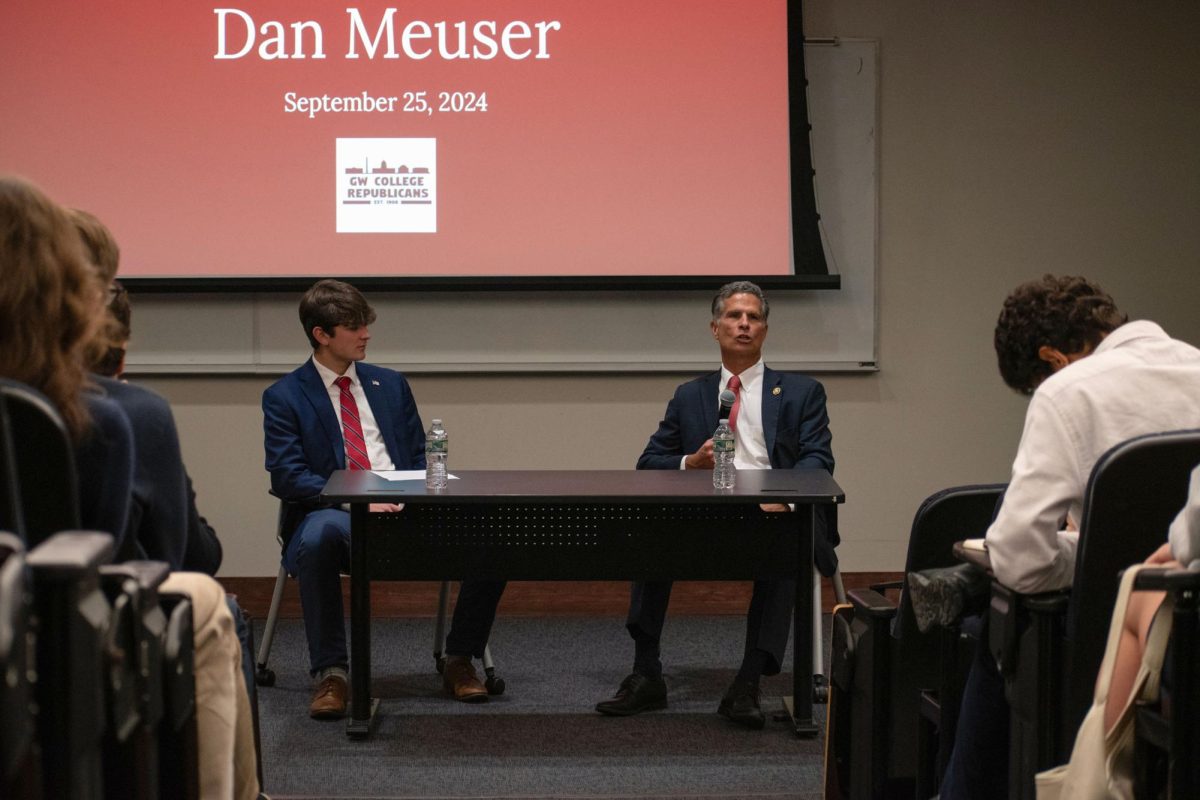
{"x":735,"y":386}
{"x":356,"y":446}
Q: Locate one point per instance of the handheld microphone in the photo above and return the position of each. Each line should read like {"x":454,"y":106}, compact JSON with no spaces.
{"x":727,"y":400}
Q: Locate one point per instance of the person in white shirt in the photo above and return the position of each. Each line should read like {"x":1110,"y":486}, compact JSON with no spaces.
{"x":1095,"y":380}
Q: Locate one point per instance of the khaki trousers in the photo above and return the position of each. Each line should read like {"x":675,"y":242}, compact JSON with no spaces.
{"x":228,"y":766}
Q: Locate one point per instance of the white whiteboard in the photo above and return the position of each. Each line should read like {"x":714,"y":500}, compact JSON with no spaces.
{"x":583,"y":331}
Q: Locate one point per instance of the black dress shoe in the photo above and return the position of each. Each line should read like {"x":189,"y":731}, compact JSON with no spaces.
{"x":740,"y":705}
{"x":636,"y":694}
{"x":939,"y":597}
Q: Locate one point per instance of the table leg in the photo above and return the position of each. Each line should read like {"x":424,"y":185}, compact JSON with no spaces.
{"x":801,"y":707}
{"x":362,"y":706}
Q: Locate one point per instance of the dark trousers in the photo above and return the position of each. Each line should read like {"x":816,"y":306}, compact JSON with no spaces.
{"x":978,"y":766}
{"x":319,"y":552}
{"x":474,"y":613}
{"x":768,"y":621}
{"x":242,"y":626}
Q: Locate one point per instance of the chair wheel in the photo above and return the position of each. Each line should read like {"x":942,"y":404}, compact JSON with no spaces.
{"x":494,"y":685}
{"x":264,"y":676}
{"x":440,"y":662}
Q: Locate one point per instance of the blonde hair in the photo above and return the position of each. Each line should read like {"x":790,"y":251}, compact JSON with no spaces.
{"x":101,"y":249}
{"x":50,"y":300}
{"x":100,"y":246}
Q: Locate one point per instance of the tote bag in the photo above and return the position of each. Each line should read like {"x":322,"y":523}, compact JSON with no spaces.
{"x":1101,"y":765}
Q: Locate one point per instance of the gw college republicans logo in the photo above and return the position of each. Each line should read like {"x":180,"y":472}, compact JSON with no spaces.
{"x":387,"y":185}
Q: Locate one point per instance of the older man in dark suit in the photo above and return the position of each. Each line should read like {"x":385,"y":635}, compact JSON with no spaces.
{"x":780,"y":423}
{"x":336,"y":412}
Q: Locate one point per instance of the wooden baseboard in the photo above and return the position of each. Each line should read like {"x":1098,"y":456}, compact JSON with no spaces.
{"x":537,"y":598}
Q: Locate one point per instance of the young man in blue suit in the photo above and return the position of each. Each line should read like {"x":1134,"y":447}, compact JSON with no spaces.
{"x":780,"y":423}
{"x":336,"y":412}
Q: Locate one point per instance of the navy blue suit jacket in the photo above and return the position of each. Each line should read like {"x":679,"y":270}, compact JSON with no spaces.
{"x":304,"y":435}
{"x":104,"y":464}
{"x":795,"y":425}
{"x":157,"y":526}
{"x":163,"y":518}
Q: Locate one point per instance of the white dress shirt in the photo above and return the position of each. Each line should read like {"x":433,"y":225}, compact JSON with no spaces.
{"x":751,"y":449}
{"x":1137,"y":381}
{"x":376,"y":449}
{"x":751,"y":452}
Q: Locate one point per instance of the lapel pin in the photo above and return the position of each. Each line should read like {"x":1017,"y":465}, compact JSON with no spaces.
{"x":777,"y":391}
{"x":374,"y":383}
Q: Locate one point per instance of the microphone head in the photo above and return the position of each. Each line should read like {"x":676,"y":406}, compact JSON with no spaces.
{"x":727,"y":399}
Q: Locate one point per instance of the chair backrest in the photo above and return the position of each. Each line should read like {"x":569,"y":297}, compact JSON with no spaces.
{"x":1136,"y":488}
{"x":947,"y":516}
{"x":39,"y":493}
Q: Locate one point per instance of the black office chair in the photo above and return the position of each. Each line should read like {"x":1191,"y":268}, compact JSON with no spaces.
{"x":20,"y":758}
{"x":39,"y":499}
{"x":289,"y":518}
{"x":1166,"y":737}
{"x":881,"y":661}
{"x":1049,"y":645}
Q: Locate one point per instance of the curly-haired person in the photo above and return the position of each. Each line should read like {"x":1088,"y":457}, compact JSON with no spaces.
{"x":1094,"y":380}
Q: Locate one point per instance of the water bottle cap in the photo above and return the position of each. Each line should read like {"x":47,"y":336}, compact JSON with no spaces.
{"x":436,"y":422}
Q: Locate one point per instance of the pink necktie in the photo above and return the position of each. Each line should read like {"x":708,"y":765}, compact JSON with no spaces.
{"x":356,"y":447}
{"x":735,"y":386}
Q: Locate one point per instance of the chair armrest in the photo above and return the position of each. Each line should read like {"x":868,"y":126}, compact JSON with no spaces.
{"x":1165,"y":579}
{"x":1047,"y":602}
{"x":1008,"y":615}
{"x":68,"y":555}
{"x":886,"y":586}
{"x":871,"y":603}
{"x":149,"y":575}
{"x":973,"y":555}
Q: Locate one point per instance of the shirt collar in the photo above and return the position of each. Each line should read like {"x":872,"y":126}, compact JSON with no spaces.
{"x":328,"y":376}
{"x":751,"y":377}
{"x":1138,"y":329}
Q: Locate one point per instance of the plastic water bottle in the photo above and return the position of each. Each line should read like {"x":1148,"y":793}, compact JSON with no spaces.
{"x":436,"y":450}
{"x":724,"y":447}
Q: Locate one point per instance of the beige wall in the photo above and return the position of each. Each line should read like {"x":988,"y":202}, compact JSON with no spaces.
{"x":1016,"y":138}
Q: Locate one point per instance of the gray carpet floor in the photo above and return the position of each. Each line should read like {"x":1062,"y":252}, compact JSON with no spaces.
{"x":541,"y":738}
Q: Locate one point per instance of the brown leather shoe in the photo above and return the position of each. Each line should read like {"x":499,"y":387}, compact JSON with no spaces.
{"x":329,"y":699}
{"x":460,"y":680}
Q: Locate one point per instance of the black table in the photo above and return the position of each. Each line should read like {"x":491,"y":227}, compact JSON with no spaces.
{"x":581,"y":525}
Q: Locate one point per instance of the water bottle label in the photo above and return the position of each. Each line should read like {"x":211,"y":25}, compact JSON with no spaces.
{"x":436,"y":446}
{"x":723,"y":445}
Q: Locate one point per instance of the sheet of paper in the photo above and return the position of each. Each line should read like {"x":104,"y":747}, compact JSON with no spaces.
{"x":405,"y":474}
